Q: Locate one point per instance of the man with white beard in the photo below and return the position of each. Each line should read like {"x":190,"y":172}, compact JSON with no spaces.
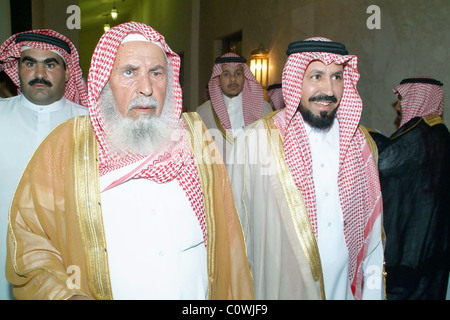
{"x":124,"y":204}
{"x":142,"y":135}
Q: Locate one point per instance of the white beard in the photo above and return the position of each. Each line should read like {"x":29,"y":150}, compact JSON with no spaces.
{"x":144,"y":135}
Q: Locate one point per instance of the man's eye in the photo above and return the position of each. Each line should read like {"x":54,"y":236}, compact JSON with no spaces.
{"x":29,"y":64}
{"x":315,"y":76}
{"x":50,"y":65}
{"x":156,"y":74}
{"x":128,"y":73}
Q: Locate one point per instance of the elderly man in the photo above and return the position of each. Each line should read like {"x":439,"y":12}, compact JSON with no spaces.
{"x":237,"y":100}
{"x":415,"y":182}
{"x":44,"y":65}
{"x":118,"y":205}
{"x":306,"y":185}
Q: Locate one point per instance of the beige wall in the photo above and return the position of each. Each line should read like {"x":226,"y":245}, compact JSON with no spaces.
{"x":172,"y":18}
{"x":5,"y":20}
{"x":413,"y":39}
{"x":51,"y":14}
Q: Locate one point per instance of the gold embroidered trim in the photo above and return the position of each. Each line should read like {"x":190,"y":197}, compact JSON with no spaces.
{"x":88,"y":207}
{"x":203,"y":161}
{"x":297,"y":208}
{"x":407,"y":130}
{"x":219,"y":125}
{"x":371,"y":142}
{"x":433,"y":120}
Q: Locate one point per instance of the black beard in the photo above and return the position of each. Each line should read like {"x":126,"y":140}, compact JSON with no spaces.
{"x":322,"y":121}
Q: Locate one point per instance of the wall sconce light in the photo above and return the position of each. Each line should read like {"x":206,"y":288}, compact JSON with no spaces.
{"x":106,"y":26}
{"x":114,"y":13}
{"x":259,"y":65}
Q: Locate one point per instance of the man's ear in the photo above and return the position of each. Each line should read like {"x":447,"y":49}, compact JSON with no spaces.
{"x":67,"y":74}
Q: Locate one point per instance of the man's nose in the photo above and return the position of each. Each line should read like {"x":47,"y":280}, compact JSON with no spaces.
{"x":40,"y":71}
{"x":145,"y":86}
{"x":327,"y":87}
{"x":233,"y":77}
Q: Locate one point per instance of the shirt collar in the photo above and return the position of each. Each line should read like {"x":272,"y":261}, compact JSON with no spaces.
{"x":324,"y":134}
{"x":55,"y":106}
{"x":237,"y":99}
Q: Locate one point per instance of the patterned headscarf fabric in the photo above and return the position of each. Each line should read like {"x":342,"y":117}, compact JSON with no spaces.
{"x":275,"y":93}
{"x":10,"y":52}
{"x":252,"y":94}
{"x":419,"y":99}
{"x":358,"y":181}
{"x":174,"y":160}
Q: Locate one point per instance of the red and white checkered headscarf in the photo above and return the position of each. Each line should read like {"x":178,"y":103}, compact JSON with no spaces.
{"x":174,"y":160}
{"x":358,"y":180}
{"x":419,"y":99}
{"x":252,"y":94}
{"x":275,"y":93}
{"x":10,"y":52}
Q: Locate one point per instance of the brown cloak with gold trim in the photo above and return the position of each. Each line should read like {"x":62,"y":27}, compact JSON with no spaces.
{"x":56,"y":241}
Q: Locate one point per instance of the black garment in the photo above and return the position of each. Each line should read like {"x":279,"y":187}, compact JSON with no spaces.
{"x":415,"y":183}
{"x":381,"y":140}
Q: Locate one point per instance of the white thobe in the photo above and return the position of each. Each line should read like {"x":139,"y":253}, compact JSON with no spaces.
{"x":235,"y":112}
{"x":23,"y":125}
{"x":333,"y":250}
{"x":154,"y":240}
{"x":271,"y":214}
